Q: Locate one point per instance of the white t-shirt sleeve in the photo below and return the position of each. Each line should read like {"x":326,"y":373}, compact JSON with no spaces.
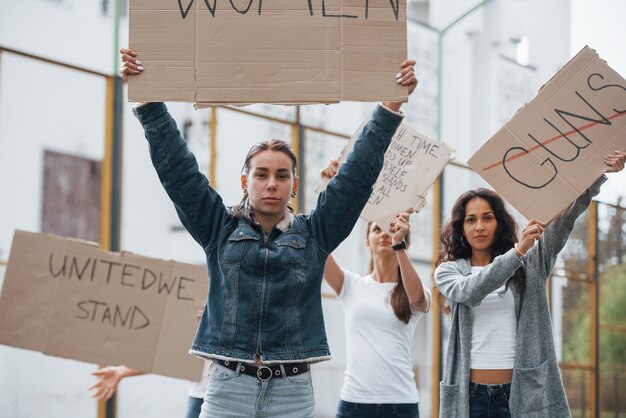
{"x":348,"y":279}
{"x":429,"y":297}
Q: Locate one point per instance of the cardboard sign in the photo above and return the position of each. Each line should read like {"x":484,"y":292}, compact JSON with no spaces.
{"x":280,"y":51}
{"x":552,"y":150}
{"x":412,"y":164}
{"x":68,"y":298}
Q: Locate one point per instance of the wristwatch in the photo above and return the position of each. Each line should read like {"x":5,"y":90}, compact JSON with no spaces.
{"x":401,"y":246}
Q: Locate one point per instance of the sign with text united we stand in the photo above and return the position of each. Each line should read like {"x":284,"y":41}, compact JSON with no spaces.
{"x":552,"y":150}
{"x":68,"y":298}
{"x":272,"y":51}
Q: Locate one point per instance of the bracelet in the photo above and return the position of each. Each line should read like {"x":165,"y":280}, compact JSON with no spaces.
{"x":400,"y":246}
{"x":517,"y":251}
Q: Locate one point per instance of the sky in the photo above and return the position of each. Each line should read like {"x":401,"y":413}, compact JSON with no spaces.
{"x":600,"y":24}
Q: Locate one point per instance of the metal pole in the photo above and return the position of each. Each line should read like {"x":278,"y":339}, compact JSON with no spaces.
{"x":116,"y":35}
{"x":436,"y":311}
{"x":213,"y":147}
{"x":297,"y":144}
{"x":111,"y":191}
{"x":111,"y":174}
{"x":594,"y":293}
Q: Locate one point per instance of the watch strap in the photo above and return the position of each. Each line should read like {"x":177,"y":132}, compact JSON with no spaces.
{"x":400,"y":246}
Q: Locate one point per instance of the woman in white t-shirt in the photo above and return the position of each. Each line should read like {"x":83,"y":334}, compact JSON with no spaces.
{"x":382,"y":310}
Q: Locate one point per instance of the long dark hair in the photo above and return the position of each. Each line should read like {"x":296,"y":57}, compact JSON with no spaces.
{"x":269,"y":145}
{"x":455,"y":246}
{"x":398,"y":299}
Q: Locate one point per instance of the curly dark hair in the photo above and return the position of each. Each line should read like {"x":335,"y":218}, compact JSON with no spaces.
{"x":455,"y":246}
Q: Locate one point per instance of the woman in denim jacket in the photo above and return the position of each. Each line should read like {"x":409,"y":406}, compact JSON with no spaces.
{"x":501,"y":359}
{"x":263,"y":323}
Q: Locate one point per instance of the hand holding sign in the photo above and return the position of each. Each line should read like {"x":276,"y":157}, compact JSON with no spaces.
{"x":130,"y":64}
{"x":615,"y":161}
{"x":406,"y":77}
{"x":329,"y":171}
{"x":400,"y":228}
{"x":531,"y":233}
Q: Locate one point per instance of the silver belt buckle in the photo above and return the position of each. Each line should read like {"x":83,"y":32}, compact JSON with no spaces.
{"x":261,"y":370}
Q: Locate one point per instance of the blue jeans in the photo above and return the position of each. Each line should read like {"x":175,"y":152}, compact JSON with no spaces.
{"x":193,"y":407}
{"x":489,"y":401}
{"x":230,"y":395}
{"x":377,"y":410}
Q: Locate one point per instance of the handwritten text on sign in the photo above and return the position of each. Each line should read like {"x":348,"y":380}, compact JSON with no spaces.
{"x":552,"y":150}
{"x":243,"y":7}
{"x":114,"y":308}
{"x":92,"y":270}
{"x":398,"y":162}
{"x":578,"y":118}
{"x":278,"y":51}
{"x":412,"y":163}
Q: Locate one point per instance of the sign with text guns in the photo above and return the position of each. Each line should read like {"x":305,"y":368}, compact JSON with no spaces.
{"x":68,"y":298}
{"x":279,"y":51}
{"x":552,"y":150}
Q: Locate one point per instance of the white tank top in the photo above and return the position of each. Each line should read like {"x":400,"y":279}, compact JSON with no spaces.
{"x":494,"y":330}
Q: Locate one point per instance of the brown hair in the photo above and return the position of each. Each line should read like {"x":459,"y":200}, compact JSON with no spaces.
{"x":398,"y":298}
{"x":455,"y":246}
{"x":277,"y":145}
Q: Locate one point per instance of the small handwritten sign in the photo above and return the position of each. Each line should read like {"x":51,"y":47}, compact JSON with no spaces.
{"x":70,"y":299}
{"x":412,"y":164}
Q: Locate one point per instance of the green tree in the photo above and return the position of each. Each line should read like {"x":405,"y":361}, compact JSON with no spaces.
{"x":613,"y":314}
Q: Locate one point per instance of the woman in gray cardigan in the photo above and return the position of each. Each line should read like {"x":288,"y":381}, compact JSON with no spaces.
{"x":501,"y":360}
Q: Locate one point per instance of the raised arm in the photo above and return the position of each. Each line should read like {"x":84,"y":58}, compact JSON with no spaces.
{"x":199,"y":207}
{"x":470,"y":290}
{"x":340,"y":204}
{"x":333,"y":274}
{"x":557,"y":233}
{"x":419,"y":296}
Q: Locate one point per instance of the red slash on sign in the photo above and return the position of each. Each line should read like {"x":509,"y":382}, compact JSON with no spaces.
{"x":549,"y":141}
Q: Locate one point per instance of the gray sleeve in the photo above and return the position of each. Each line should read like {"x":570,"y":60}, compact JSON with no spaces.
{"x":544,"y":254}
{"x":471,"y":290}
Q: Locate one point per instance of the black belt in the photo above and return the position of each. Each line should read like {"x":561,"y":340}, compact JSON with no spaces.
{"x":265,"y":373}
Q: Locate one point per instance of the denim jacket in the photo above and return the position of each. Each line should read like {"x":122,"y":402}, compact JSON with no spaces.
{"x":265,"y":291}
{"x":536,"y":389}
